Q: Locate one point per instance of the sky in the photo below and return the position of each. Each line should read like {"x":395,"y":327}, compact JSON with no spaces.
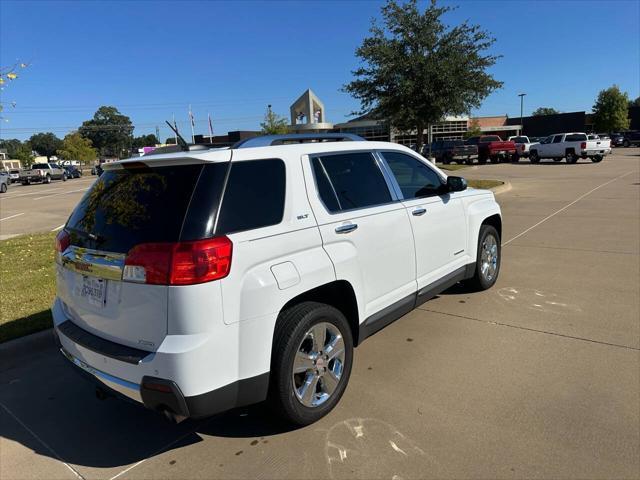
{"x":231,"y":59}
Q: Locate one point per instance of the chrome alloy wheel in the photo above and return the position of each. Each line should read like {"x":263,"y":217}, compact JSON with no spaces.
{"x":489,"y":257}
{"x":318,"y":364}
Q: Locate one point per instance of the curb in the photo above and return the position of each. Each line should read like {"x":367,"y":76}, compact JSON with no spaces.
{"x":505,"y":187}
{"x":13,"y":351}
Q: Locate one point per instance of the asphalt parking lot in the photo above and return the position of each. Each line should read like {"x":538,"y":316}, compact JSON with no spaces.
{"x":538,"y":377}
{"x":39,"y":207}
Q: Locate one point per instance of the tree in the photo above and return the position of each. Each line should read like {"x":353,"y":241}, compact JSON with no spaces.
{"x":46,"y":144}
{"x":110,"y":132}
{"x":145,"y":141}
{"x":544,"y":111}
{"x":76,"y":147}
{"x":634,"y":103}
{"x":611,"y":110}
{"x":24,"y":153}
{"x":11,"y":145}
{"x":273,"y":124}
{"x":474,"y":129}
{"x":416,"y":70}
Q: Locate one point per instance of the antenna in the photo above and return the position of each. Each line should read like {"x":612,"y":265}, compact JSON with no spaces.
{"x":181,"y":141}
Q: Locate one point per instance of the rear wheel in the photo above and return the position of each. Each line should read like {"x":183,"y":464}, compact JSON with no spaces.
{"x":64,"y":177}
{"x":3,"y":188}
{"x":533,"y":156}
{"x":571,"y":157}
{"x":597,"y":159}
{"x":47,"y":179}
{"x":487,"y":259}
{"x":311,"y":361}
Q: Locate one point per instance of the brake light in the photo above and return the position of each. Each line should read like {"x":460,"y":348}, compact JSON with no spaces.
{"x":63,"y":240}
{"x":182,"y":263}
{"x":583,"y":145}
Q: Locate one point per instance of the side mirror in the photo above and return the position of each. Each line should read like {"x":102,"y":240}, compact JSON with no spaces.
{"x":456,"y":184}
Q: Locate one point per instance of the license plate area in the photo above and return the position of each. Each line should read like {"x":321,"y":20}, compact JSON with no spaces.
{"x":92,"y":290}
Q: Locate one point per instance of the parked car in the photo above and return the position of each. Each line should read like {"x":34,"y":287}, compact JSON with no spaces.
{"x":492,"y":147}
{"x":523,"y":145}
{"x":72,"y":171}
{"x":447,"y":151}
{"x":43,"y":172}
{"x":96,"y":170}
{"x":617,"y":139}
{"x":213,"y":279}
{"x":5,"y":180}
{"x":14,"y":175}
{"x":571,"y":146}
{"x":631,"y":139}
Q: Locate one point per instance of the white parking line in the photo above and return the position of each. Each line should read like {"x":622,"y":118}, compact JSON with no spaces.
{"x":11,"y":216}
{"x":565,"y":207}
{"x":30,"y":193}
{"x":61,"y":193}
{"x":58,"y":228}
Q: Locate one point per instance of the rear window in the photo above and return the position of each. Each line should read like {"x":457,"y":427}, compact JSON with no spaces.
{"x":520,"y":140}
{"x":39,"y":165}
{"x":490,"y":138}
{"x":126,"y":207}
{"x":576,"y":137}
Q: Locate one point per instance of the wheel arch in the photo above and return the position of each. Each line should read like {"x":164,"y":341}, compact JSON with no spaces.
{"x":340,"y":295}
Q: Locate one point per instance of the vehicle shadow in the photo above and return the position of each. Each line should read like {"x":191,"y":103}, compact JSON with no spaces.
{"x":49,"y":409}
{"x":25,"y":325}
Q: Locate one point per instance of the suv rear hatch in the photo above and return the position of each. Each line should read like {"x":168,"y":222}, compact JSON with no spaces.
{"x":131,"y":209}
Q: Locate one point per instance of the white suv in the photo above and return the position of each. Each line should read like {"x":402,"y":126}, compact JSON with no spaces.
{"x":199,"y":281}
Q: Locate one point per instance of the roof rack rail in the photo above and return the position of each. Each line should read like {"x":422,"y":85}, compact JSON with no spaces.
{"x":271,"y":140}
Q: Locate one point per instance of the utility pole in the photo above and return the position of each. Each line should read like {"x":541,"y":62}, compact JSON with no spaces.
{"x":521,"y":95}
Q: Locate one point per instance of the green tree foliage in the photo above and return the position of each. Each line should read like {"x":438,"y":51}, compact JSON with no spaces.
{"x":273,"y":124}
{"x":474,"y":129}
{"x":76,"y":147}
{"x":416,"y":70}
{"x":11,"y":145}
{"x":24,"y":154}
{"x":611,"y":110}
{"x":544,"y":111}
{"x":635,"y":103}
{"x":46,"y":144}
{"x":110,"y":132}
{"x":145,"y":141}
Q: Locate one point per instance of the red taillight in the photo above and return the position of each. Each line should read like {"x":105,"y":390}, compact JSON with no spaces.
{"x":183,"y":263}
{"x":63,"y":240}
{"x":583,"y":145}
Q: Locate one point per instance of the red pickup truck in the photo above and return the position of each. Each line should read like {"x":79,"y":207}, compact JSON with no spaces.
{"x":492,"y":147}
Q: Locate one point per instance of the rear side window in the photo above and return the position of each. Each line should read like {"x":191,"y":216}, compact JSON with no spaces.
{"x":126,"y":207}
{"x":557,"y":139}
{"x":351,"y":180}
{"x":254,"y":196}
{"x":576,"y":137}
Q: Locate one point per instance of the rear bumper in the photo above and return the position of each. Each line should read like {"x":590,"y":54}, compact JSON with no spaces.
{"x":593,"y":153}
{"x":159,"y":394}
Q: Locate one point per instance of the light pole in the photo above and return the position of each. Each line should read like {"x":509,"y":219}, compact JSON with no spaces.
{"x":521,"y":95}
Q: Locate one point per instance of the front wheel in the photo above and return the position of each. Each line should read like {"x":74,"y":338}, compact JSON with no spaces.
{"x":47,"y":179}
{"x":311,"y":361}
{"x":597,"y":159}
{"x":64,"y":177}
{"x":626,"y":143}
{"x":487,"y":259}
{"x":3,"y":188}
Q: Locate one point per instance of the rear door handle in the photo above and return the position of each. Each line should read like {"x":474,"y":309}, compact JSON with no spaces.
{"x":350,"y":227}
{"x":419,"y":211}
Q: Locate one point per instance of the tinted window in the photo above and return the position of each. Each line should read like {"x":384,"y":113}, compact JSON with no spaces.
{"x":472,"y":141}
{"x":126,"y":207}
{"x":557,"y":139}
{"x":254,"y":196}
{"x":521,"y":140}
{"x":416,"y":179}
{"x":355,"y":178}
{"x":490,"y":138}
{"x":37,"y":166}
{"x":576,"y":137}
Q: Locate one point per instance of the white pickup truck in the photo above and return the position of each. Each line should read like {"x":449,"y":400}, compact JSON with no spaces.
{"x":523,"y":146}
{"x":42,"y":172}
{"x":570,"y":146}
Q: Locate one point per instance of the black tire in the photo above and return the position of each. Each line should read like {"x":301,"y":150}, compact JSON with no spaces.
{"x":64,"y":177}
{"x":571,"y":157}
{"x":626,"y":143}
{"x":533,"y":156}
{"x":597,"y":159}
{"x":480,"y":281}
{"x":3,"y":188}
{"x":47,"y":179}
{"x":25,"y":183}
{"x":291,"y":327}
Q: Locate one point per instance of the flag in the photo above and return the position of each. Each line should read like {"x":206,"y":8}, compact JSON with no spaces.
{"x":210,"y":127}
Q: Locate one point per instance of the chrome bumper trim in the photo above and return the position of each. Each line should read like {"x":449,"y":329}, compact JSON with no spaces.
{"x":126,"y":388}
